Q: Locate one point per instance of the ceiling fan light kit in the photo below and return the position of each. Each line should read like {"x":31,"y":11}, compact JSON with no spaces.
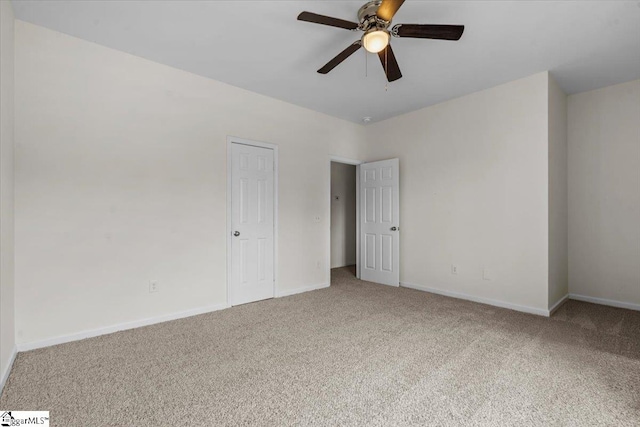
{"x":374,"y":19}
{"x":375,"y":40}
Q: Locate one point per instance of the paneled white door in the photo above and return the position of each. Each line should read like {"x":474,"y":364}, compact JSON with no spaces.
{"x":380,"y":222}
{"x":252,"y":224}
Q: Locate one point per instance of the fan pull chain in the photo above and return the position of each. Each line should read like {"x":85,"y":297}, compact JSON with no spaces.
{"x":386,"y":69}
{"x":366,"y":64}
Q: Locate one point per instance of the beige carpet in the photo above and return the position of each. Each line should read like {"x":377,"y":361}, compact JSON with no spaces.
{"x":354,"y":354}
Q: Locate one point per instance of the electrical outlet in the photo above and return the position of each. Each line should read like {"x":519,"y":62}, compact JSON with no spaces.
{"x":454,"y":269}
{"x":317,"y":218}
{"x":318,"y":264}
{"x":153,"y":286}
{"x":487,"y":274}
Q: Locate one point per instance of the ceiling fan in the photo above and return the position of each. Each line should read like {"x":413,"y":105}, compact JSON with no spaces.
{"x":374,"y":19}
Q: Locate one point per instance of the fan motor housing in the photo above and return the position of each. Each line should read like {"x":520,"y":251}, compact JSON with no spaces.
{"x":367,"y":16}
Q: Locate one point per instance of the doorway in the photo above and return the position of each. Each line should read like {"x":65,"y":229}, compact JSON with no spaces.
{"x":344,"y":219}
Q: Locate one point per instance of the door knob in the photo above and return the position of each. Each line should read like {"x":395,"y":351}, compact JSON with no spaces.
{"x":394,"y":228}
{"x":236,"y":233}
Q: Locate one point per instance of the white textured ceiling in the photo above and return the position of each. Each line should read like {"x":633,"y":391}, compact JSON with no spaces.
{"x":260,"y":46}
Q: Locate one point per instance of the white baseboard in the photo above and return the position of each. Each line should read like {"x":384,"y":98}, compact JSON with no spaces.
{"x":602,"y":301}
{"x":460,"y":295}
{"x":119,"y":327}
{"x":558,"y":304}
{"x":32,"y":345}
{"x":7,"y":369}
{"x":287,"y":292}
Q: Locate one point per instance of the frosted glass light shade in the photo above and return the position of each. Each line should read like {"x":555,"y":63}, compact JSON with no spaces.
{"x":375,"y":41}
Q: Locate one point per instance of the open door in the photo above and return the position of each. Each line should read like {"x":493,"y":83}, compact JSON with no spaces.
{"x":380,"y":222}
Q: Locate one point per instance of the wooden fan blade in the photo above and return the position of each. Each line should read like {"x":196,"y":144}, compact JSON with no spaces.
{"x":340,"y":57}
{"x":388,"y":8}
{"x":419,"y":31}
{"x":389,"y":64}
{"x":327,"y":20}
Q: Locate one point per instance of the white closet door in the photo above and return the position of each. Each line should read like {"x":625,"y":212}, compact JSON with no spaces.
{"x":379,"y":222}
{"x":252,"y":221}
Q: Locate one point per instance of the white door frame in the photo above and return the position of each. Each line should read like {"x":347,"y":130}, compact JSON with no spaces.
{"x":235,"y":140}
{"x":356,"y":163}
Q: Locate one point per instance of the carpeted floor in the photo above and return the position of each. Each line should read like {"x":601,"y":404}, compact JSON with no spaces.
{"x":353,"y":354}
